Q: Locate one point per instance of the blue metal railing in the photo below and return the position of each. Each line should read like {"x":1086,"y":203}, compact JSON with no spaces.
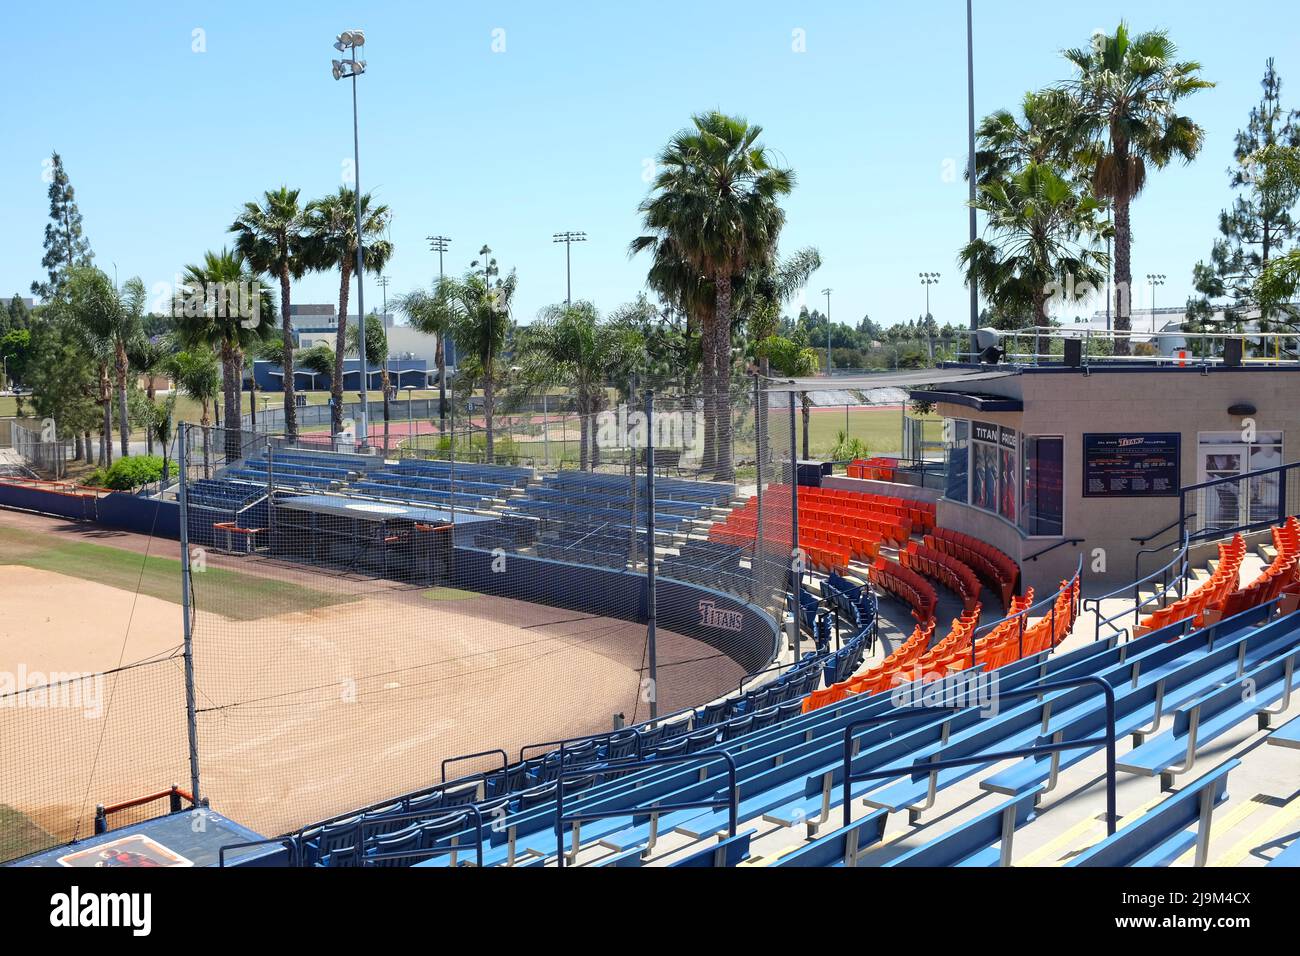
{"x":933,"y":766}
{"x":1021,"y":617}
{"x":730,"y":801}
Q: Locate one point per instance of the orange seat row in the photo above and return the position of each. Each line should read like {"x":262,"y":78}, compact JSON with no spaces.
{"x":951,"y":572}
{"x":906,"y":585}
{"x":1225,"y":579}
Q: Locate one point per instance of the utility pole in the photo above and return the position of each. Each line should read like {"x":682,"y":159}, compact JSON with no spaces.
{"x":568,"y":238}
{"x":827,"y":292}
{"x":439,"y":245}
{"x":970,"y":146}
{"x":1156,"y":279}
{"x":928,"y":279}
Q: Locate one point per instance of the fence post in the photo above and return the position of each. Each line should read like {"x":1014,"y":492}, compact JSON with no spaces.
{"x":650,"y":550}
{"x":187,"y":630}
{"x":796,"y":555}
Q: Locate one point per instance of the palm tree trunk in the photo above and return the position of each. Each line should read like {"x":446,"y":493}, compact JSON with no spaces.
{"x":724,"y":471}
{"x":106,"y":429}
{"x":204,"y":423}
{"x":340,"y":345}
{"x":489,"y":398}
{"x":1123,"y":272}
{"x":286,"y":361}
{"x":230,"y":397}
{"x":149,"y":393}
{"x":440,"y":359}
{"x":123,"y":424}
{"x":708,"y":456}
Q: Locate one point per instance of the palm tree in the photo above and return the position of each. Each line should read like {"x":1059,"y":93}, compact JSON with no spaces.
{"x":196,"y":374}
{"x":376,"y":354}
{"x":160,"y":428}
{"x":205,"y":319}
{"x":1008,"y":143}
{"x":480,"y":311}
{"x":318,"y":360}
{"x":431,"y":314}
{"x":149,"y":358}
{"x":270,"y":237}
{"x":332,"y":244}
{"x":570,"y":344}
{"x":1041,"y":231}
{"x":1124,"y":110}
{"x":108,"y":320}
{"x":717,"y":200}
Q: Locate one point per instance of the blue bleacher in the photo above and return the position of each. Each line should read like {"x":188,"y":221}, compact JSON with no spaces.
{"x":1160,"y":835}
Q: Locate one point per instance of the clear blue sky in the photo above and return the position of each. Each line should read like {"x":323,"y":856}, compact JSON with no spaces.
{"x":163,"y":144}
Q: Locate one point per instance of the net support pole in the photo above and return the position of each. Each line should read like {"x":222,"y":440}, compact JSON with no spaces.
{"x":796,"y":556}
{"x":760,"y":426}
{"x":187,"y":631}
{"x":650,"y":550}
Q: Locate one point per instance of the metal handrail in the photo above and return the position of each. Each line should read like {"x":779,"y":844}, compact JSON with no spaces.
{"x":505,"y":762}
{"x":731,"y":801}
{"x":1136,"y":587}
{"x":1021,"y":616}
{"x":931,"y":766}
{"x":288,"y":842}
{"x":1038,"y":554}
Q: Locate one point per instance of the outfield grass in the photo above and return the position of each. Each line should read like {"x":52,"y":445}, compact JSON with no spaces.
{"x":232,"y":594}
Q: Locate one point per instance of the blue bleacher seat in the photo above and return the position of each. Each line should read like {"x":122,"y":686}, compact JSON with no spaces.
{"x":1160,"y":835}
{"x":727,"y":852}
{"x":985,"y":840}
{"x":840,"y":847}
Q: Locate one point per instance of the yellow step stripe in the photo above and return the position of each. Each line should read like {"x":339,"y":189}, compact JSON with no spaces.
{"x":1097,"y":833}
{"x":1274,"y":825}
{"x":771,"y":858}
{"x":1228,"y":823}
{"x":1058,"y":846}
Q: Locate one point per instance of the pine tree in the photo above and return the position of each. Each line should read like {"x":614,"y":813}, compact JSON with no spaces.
{"x":1259,"y":225}
{"x":65,"y":243}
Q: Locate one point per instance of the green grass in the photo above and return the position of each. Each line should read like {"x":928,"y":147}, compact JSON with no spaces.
{"x":19,"y":836}
{"x":232,"y":594}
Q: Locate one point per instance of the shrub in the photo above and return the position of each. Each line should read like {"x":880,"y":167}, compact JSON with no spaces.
{"x":127,"y":474}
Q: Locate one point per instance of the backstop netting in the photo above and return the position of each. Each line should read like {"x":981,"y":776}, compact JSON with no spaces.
{"x":362,"y":616}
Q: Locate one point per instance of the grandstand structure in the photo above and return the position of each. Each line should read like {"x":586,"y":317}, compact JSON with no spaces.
{"x":829,"y":671}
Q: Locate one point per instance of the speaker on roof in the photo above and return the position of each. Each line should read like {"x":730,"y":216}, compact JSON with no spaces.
{"x":1074,"y":353}
{"x":1232,"y":352}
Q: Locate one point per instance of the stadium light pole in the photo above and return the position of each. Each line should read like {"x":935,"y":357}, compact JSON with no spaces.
{"x":439,"y":245}
{"x":568,"y":238}
{"x":970,"y":146}
{"x":827,"y":292}
{"x":1156,"y":279}
{"x":344,"y":69}
{"x":928,"y":279}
